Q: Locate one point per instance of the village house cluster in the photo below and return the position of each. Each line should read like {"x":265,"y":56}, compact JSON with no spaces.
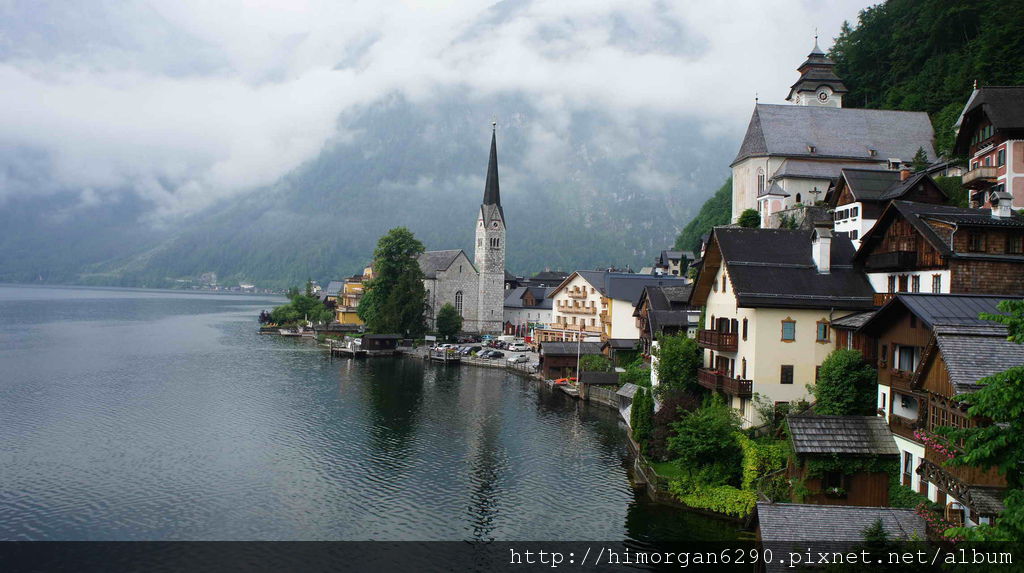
{"x":858,"y":248}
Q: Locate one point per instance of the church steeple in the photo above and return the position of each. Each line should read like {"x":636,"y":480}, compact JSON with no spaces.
{"x":818,"y":83}
{"x":492,"y":194}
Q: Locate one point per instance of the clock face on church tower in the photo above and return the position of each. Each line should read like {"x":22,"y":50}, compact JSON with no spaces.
{"x":823,"y":96}
{"x":494,"y":224}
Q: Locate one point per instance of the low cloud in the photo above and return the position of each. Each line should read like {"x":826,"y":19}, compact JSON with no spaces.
{"x":186,"y":102}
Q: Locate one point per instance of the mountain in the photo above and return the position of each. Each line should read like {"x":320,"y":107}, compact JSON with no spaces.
{"x":599,"y":190}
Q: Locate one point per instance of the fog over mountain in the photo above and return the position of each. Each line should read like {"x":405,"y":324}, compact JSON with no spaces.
{"x":269,"y":142}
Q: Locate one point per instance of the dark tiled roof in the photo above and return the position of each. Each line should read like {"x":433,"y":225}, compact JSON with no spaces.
{"x":961,"y":354}
{"x":626,"y":286}
{"x":987,"y":500}
{"x":514,"y":297}
{"x":853,"y":321}
{"x":622,"y":343}
{"x":628,"y":390}
{"x":842,"y":133}
{"x":1002,"y":105}
{"x":433,"y":261}
{"x":879,"y":185}
{"x":852,"y":435}
{"x":599,"y":378}
{"x":569,"y":348}
{"x":807,"y":169}
{"x":951,"y":309}
{"x":773,"y":189}
{"x":919,"y":214}
{"x":774,"y":268}
{"x":805,"y":522}
{"x":334,"y":288}
{"x":556,"y":276}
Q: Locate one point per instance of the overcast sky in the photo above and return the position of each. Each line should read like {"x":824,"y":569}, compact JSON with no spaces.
{"x":184,"y":101}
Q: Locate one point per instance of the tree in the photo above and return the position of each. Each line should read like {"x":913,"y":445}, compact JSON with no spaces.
{"x":706,"y":442}
{"x":920,"y":162}
{"x":679,"y":357}
{"x":999,"y":442}
{"x":395,"y":299}
{"x":595,"y":363}
{"x":301,"y":307}
{"x":750,"y":219}
{"x":717,"y":210}
{"x":846,"y":386}
{"x":449,"y":321}
{"x":640,"y":416}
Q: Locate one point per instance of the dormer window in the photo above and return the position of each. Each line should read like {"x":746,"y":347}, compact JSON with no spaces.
{"x":810,"y":149}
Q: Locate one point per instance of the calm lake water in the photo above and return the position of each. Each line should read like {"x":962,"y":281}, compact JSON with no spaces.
{"x":154,"y":415}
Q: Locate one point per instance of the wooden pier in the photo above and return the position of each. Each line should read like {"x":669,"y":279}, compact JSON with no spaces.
{"x":444,"y":357}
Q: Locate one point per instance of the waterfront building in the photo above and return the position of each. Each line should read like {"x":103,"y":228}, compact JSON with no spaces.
{"x":598,"y":305}
{"x":559,"y":359}
{"x":852,"y":439}
{"x":931,"y":349}
{"x":770,"y":296}
{"x":665,"y":310}
{"x":527,"y":308}
{"x":991,"y":135}
{"x":919,"y":247}
{"x":476,"y":289}
{"x":860,"y":195}
{"x":791,"y":153}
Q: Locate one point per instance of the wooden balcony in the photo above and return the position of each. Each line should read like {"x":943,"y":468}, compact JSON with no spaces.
{"x":966,"y":475}
{"x":578,"y":310}
{"x":576,"y":294}
{"x":883,"y":297}
{"x":719,"y":341}
{"x":900,"y":380}
{"x":904,"y":427}
{"x":979,"y":177}
{"x":716,"y":381}
{"x":891,"y":261}
{"x":573,"y":328}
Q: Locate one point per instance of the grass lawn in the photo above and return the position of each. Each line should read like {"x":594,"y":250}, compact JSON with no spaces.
{"x":667,"y":470}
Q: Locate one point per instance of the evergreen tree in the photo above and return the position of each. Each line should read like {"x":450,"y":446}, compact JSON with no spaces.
{"x":920,"y":162}
{"x":715,"y":211}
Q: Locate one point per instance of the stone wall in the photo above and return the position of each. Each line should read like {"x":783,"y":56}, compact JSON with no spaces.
{"x":459,"y":277}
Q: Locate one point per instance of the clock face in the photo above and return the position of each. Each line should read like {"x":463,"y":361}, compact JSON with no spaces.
{"x":823,"y":96}
{"x":494,"y":224}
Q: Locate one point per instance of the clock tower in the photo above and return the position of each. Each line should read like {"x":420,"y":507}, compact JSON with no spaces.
{"x":818,"y":83}
{"x":489,"y":255}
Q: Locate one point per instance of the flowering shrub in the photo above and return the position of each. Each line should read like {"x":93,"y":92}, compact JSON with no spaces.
{"x":935,"y":443}
{"x":935,"y":522}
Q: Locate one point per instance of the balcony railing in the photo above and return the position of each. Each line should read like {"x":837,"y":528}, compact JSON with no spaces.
{"x":576,"y":294}
{"x":714,"y":340}
{"x":892,"y":261}
{"x":979,"y":177}
{"x":573,"y":327}
{"x":903,"y":427}
{"x":900,"y":380}
{"x":578,"y":310}
{"x":713,"y":380}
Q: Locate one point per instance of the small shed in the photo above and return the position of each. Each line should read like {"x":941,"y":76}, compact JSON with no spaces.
{"x":797,"y":527}
{"x":599,"y":386}
{"x":558,"y":359}
{"x":380,"y":342}
{"x":625,"y":395}
{"x":841,"y":460}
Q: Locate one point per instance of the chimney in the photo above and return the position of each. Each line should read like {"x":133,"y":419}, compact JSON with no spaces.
{"x":1001,"y":205}
{"x":904,"y":174}
{"x":821,"y":246}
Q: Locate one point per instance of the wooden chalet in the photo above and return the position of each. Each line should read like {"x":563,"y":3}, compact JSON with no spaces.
{"x":859,"y":196}
{"x":664,"y":310}
{"x":919,"y":247}
{"x":828,"y":438}
{"x":559,"y":359}
{"x":931,"y":349}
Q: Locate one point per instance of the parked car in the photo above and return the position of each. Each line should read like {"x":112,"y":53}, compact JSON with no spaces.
{"x":519,"y":347}
{"x":518,"y":358}
{"x":485,"y":353}
{"x":496,"y":354}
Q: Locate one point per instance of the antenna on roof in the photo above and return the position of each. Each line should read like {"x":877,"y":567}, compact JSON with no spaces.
{"x":494,"y":126}
{"x":975,"y":84}
{"x":755,"y":97}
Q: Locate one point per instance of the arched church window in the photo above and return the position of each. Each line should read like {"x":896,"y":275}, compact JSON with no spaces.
{"x":798,"y":198}
{"x":458,"y":302}
{"x":760,"y":180}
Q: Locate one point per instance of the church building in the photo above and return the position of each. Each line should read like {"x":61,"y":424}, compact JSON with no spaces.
{"x":476,"y":289}
{"x":793,"y":152}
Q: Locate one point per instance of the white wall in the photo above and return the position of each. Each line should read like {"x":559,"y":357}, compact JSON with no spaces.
{"x":880,"y":281}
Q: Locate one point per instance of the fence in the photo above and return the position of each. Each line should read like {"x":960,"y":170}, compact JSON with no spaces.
{"x":601,"y":395}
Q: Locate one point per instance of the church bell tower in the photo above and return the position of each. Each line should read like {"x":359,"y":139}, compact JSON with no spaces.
{"x":489,"y":256}
{"x":818,"y":84}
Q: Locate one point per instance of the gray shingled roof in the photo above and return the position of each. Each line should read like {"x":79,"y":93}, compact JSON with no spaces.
{"x":626,"y":286}
{"x":961,"y":354}
{"x":599,"y":378}
{"x":851,"y":435}
{"x":807,"y":169}
{"x":514,"y":297}
{"x":837,"y":523}
{"x":433,"y":261}
{"x":880,"y":185}
{"x":773,"y":268}
{"x":569,"y":348}
{"x":953,"y":309}
{"x":334,"y":288}
{"x":853,"y":321}
{"x":628,"y":390}
{"x":841,"y":133}
{"x":773,"y":189}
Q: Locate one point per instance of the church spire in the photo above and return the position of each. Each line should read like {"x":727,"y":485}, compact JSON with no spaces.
{"x":818,"y":83}
{"x":492,"y":195}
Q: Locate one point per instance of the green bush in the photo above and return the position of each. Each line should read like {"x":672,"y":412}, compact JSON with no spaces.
{"x":708,"y":438}
{"x":761,"y":459}
{"x":636,"y":373}
{"x":846,"y":386}
{"x":679,"y":356}
{"x":719,"y":498}
{"x":595,"y":363}
{"x":749,"y":218}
